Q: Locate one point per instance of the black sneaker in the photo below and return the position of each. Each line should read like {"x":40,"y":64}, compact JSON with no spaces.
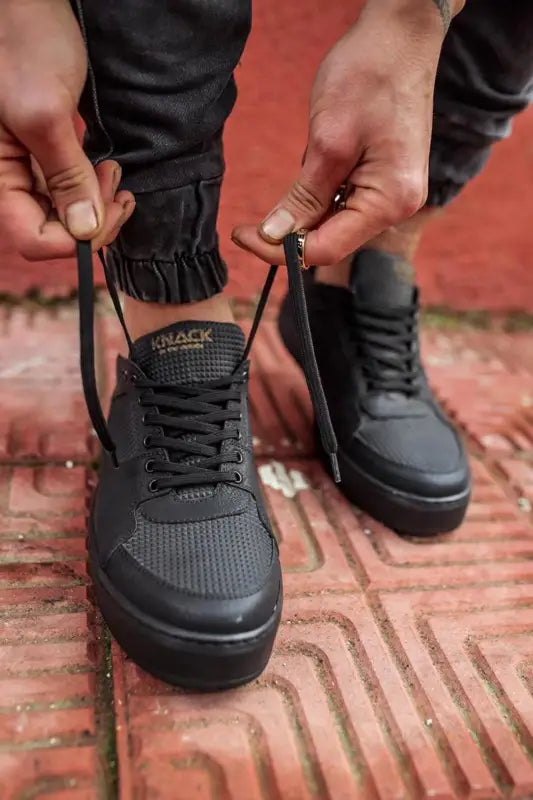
{"x":400,"y":458}
{"x":183,"y":558}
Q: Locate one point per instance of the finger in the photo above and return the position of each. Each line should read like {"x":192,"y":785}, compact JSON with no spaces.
{"x":24,"y":223}
{"x":369,"y":211}
{"x":117,"y":213}
{"x":108,"y":174}
{"x":310,"y":196}
{"x":247,"y":237}
{"x":129,"y":208}
{"x":50,"y":136}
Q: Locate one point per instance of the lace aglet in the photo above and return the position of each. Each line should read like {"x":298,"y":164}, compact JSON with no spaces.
{"x":334,"y":461}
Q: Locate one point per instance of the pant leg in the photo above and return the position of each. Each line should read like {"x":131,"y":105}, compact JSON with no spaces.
{"x":485,"y":77}
{"x":159,"y":91}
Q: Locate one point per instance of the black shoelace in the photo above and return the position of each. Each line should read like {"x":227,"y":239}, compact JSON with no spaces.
{"x":194,"y":423}
{"x":386,"y":342}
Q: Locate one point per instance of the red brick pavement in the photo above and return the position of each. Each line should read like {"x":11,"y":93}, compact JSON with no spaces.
{"x":403,"y":669}
{"x":478,"y":255}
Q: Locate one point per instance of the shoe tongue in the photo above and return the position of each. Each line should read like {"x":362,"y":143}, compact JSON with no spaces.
{"x":190,"y":352}
{"x":382,"y":279}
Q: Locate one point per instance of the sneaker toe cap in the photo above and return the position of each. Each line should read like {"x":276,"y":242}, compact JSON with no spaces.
{"x":421,"y":456}
{"x":194,"y":589}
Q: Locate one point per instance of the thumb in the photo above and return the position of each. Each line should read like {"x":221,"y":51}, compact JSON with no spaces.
{"x":69,"y":175}
{"x":309,"y":198}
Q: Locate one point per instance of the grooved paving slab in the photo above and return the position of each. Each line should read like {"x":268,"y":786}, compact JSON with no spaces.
{"x":54,"y":716}
{"x":403,"y":668}
{"x":43,"y":413}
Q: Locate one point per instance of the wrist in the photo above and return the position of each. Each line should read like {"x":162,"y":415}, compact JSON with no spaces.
{"x":424,"y":17}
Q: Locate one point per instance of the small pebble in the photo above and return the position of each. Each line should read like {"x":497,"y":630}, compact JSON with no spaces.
{"x":524,"y":504}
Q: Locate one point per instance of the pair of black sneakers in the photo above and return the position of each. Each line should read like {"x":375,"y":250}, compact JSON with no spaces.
{"x":182,"y":554}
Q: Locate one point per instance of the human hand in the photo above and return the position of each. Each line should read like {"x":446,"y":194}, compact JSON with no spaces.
{"x":370,"y":125}
{"x":49,"y":191}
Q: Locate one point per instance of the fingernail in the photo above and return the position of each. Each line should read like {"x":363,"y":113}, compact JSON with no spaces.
{"x":81,"y":218}
{"x":278,"y":224}
{"x":239,"y":243}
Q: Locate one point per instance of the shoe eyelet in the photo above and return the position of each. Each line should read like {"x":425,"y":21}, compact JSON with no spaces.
{"x":239,"y":436}
{"x":134,"y":377}
{"x":238,"y":477}
{"x":145,"y":418}
{"x":149,"y":466}
{"x":153,"y":486}
{"x":146,"y":441}
{"x":239,"y":457}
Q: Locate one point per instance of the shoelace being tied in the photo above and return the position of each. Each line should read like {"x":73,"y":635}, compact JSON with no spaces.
{"x":193,"y":417}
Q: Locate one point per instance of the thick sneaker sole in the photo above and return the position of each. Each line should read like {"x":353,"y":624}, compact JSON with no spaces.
{"x":407,"y":514}
{"x":184,"y":658}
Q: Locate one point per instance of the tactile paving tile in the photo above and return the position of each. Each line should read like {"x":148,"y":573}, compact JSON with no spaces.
{"x":395,"y":674}
{"x":43,"y":414}
{"x":54,"y":709}
{"x":403,"y":668}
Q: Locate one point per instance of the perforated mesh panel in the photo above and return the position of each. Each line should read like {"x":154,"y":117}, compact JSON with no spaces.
{"x":223,"y":558}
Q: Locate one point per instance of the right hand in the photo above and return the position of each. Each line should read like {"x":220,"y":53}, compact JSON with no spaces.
{"x":370,"y":122}
{"x":50,"y":194}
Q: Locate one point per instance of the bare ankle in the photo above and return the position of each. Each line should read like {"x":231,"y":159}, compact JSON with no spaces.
{"x":142,"y":318}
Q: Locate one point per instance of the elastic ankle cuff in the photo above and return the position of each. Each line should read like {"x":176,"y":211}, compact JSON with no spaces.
{"x":185,"y":279}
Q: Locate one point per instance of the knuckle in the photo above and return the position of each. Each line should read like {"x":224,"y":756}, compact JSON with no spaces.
{"x":305,"y":198}
{"x":331,"y":147}
{"x":409,"y":195}
{"x":41,"y":117}
{"x":67,"y":180}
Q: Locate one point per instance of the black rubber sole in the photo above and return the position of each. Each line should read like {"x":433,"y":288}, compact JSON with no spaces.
{"x":405,"y":513}
{"x":184,"y":658}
